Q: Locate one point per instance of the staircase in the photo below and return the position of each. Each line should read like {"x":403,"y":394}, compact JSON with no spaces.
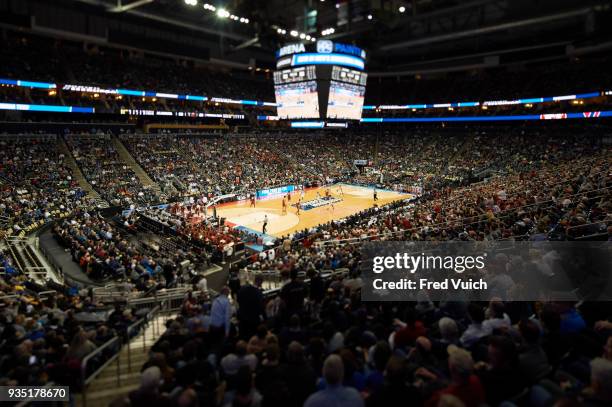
{"x":78,"y":175}
{"x":27,"y":260}
{"x":122,"y":375}
{"x":127,"y":158}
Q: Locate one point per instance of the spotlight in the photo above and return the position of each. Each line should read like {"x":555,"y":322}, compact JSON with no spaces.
{"x":221,"y":13}
{"x":402,"y":9}
{"x":279,"y":31}
{"x":308,"y":38}
{"x":302,"y":36}
{"x":313,"y":39}
{"x":369,"y":16}
{"x":191,"y":2}
{"x":294,"y":33}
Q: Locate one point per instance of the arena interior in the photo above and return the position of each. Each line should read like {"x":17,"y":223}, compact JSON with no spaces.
{"x":187,"y":190}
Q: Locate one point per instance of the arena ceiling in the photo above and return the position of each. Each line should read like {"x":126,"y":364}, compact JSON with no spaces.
{"x":400,"y":35}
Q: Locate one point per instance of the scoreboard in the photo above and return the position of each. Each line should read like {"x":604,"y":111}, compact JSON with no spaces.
{"x":295,"y":75}
{"x":349,"y":76}
{"x":325,"y":80}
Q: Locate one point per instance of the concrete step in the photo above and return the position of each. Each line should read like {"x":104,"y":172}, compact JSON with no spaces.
{"x":76,"y":171}
{"x":104,"y":389}
{"x":103,"y":397}
{"x":129,"y":160}
{"x":137,"y":360}
{"x":125,"y":379}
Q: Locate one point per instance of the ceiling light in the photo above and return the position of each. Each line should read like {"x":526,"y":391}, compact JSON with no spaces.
{"x":302,"y":36}
{"x":369,"y":16}
{"x":246,"y":20}
{"x":402,"y":9}
{"x":313,"y":39}
{"x":294,"y":33}
{"x":308,"y":37}
{"x":191,"y":2}
{"x":221,"y":13}
{"x":279,"y":31}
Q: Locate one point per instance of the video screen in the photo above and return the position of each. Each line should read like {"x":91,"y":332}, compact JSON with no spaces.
{"x":295,"y":75}
{"x":349,"y":75}
{"x":297,"y":100}
{"x":345,"y":101}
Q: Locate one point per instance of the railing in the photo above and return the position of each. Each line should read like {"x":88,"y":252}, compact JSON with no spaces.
{"x":131,"y":331}
{"x":167,"y":300}
{"x":111,"y":293}
{"x":9,"y":297}
{"x":136,"y":326}
{"x":85,"y":379}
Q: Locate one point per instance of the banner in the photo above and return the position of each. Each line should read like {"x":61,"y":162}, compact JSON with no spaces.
{"x":274,"y":192}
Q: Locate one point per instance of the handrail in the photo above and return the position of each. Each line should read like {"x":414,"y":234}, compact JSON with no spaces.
{"x":9,"y":297}
{"x":128,"y":332}
{"x":588,"y":224}
{"x":86,"y":380}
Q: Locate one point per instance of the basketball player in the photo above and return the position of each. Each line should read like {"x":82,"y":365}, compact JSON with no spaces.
{"x":265,"y":224}
{"x":375,"y":195}
{"x":289,"y":196}
{"x":340,"y":191}
{"x":252,"y":200}
{"x":298,"y":205}
{"x":318,"y":195}
{"x":284,"y":210}
{"x":302,"y":193}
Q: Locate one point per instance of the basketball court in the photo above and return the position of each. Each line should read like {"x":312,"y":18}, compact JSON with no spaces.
{"x":345,"y":200}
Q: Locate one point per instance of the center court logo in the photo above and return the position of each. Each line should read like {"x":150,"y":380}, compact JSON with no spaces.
{"x":325,"y":46}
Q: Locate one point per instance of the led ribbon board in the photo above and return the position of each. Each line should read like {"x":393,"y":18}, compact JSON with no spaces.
{"x":327,"y":59}
{"x":502,"y":102}
{"x":46,"y":108}
{"x":546,"y":116}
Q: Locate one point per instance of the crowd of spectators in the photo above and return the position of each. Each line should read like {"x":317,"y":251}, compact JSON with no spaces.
{"x":309,"y":344}
{"x":108,"y":249}
{"x":318,"y":344}
{"x":36,"y":186}
{"x":71,"y":62}
{"x":46,"y":330}
{"x":68,"y":62}
{"x":107,"y":172}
